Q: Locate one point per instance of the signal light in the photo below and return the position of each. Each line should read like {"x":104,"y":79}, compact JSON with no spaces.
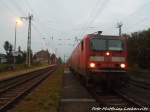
{"x":107,"y":53}
{"x":92,"y":65}
{"x":122,"y":65}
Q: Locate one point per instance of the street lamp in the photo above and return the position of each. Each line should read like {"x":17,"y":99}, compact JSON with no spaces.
{"x":17,"y":23}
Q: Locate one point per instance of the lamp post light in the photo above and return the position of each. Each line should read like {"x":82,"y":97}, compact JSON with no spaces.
{"x":18,"y":22}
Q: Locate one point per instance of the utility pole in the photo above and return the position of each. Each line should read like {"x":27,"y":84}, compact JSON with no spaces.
{"x":64,"y":58}
{"x":15,"y":43}
{"x":15,"y":36}
{"x":18,"y":22}
{"x":119,"y":25}
{"x":29,"y":40}
{"x":28,"y":55}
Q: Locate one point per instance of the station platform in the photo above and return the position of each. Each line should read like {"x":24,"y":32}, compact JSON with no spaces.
{"x":75,"y":98}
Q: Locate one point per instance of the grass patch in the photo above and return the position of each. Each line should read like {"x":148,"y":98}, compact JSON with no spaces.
{"x":3,"y":67}
{"x":46,"y":97}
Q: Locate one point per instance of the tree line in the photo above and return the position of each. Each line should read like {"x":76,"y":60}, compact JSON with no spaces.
{"x":20,"y":58}
{"x":139,"y":49}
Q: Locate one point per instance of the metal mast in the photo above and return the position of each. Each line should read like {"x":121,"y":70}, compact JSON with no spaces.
{"x":119,"y":25}
{"x":28,"y":55}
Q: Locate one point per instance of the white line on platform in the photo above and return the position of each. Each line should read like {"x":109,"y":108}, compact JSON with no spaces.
{"x":78,"y":100}
{"x":66,"y":71}
{"x":66,"y":87}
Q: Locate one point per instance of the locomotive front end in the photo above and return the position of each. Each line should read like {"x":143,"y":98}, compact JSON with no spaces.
{"x":107,"y":60}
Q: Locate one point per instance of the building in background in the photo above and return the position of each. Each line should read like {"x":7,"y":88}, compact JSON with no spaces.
{"x":3,"y":58}
{"x":42,"y":56}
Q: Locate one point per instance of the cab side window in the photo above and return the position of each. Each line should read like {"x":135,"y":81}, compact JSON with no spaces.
{"x":82,"y":47}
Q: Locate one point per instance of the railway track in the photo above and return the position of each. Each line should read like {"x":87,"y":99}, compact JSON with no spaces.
{"x":13,"y":89}
{"x":115,"y":100}
{"x":112,"y":99}
{"x":140,"y":84}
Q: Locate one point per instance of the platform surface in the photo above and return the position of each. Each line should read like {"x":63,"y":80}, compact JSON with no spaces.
{"x":75,"y":98}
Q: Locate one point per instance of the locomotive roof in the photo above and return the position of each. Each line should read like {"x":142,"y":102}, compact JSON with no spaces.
{"x":103,"y":36}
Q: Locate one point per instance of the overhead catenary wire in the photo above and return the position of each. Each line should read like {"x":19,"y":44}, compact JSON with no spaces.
{"x":7,"y":7}
{"x":11,"y":7}
{"x":37,"y":31}
{"x":134,"y":14}
{"x":32,"y":10}
{"x":18,"y":7}
{"x":140,"y":9}
{"x":138,"y":22}
{"x":41,"y":37}
{"x":98,"y":12}
{"x":127,"y":19}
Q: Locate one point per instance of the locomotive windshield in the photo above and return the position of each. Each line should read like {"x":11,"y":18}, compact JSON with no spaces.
{"x":105,"y":44}
{"x":116,"y":45}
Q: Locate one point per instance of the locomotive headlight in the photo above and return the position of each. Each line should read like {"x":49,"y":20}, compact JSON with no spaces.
{"x":107,"y":53}
{"x":122,"y":65}
{"x":92,"y":65}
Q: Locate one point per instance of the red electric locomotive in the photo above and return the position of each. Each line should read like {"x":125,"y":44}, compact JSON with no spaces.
{"x":101,"y":58}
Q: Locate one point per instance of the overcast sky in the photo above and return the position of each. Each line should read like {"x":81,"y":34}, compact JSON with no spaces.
{"x":66,"y":19}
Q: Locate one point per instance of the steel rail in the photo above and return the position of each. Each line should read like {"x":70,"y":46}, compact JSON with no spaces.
{"x":140,"y":84}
